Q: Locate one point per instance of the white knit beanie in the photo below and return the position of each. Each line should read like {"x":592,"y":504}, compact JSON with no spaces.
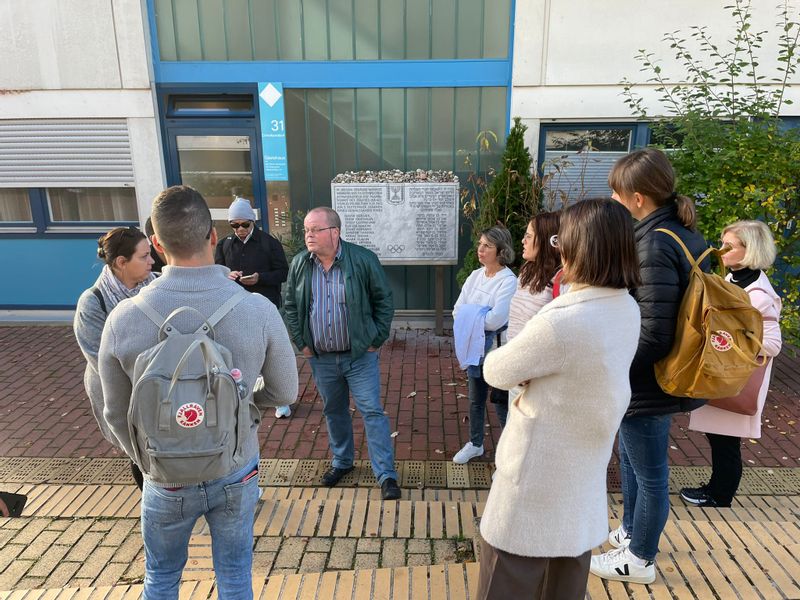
{"x":240,"y":209}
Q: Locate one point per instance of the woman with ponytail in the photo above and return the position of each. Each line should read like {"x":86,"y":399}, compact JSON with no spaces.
{"x":127,"y":269}
{"x":644,"y":183}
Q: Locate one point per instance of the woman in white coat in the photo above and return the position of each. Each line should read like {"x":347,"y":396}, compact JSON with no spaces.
{"x":547,"y":507}
{"x":752,"y":249}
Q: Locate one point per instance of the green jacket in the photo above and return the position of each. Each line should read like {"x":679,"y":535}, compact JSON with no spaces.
{"x":369,"y":299}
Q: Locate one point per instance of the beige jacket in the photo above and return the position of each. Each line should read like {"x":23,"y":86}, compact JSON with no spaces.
{"x":548,"y":497}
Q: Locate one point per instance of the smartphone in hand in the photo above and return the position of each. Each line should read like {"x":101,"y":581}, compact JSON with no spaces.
{"x":14,"y":502}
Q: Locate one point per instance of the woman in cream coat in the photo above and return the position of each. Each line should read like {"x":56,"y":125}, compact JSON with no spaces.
{"x":752,"y":249}
{"x":547,"y":506}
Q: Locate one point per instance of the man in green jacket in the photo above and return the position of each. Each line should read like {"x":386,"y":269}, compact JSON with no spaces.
{"x":339,"y":310}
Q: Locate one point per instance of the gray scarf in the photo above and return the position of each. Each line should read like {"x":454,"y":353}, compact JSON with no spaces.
{"x":114,"y":291}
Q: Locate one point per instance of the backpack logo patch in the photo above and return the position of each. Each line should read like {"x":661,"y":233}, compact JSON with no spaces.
{"x":721,"y":340}
{"x":190,"y":415}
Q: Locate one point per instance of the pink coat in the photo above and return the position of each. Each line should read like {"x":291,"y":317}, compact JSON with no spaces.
{"x":715,"y":420}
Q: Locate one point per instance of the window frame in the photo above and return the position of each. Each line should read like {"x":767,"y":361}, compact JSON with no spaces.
{"x":42,"y":225}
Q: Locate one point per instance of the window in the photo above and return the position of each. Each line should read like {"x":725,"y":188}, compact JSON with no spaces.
{"x":578,"y":158}
{"x":225,"y":105}
{"x":15,"y":206}
{"x":98,"y":205}
{"x":66,"y":210}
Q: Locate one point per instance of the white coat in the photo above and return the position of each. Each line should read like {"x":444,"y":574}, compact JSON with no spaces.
{"x":548,"y":496}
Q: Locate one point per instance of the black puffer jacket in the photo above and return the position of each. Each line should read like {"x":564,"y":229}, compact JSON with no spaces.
{"x":665,"y":276}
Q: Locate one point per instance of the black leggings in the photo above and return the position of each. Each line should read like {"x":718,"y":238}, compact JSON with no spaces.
{"x":726,"y":467}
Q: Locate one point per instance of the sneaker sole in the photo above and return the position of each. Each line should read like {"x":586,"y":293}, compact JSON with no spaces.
{"x":625,"y":578}
{"x":690,"y":500}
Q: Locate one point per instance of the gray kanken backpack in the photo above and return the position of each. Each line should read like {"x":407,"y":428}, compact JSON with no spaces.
{"x":188,"y":418}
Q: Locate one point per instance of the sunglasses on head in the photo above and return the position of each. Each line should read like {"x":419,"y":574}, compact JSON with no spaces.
{"x":240,"y":225}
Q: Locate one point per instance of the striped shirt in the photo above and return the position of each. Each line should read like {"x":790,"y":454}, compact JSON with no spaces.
{"x":328,"y":318}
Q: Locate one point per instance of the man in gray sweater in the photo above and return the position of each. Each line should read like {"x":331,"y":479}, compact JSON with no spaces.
{"x":256,"y":337}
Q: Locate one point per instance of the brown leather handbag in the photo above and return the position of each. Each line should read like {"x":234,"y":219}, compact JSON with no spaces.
{"x":746,"y":401}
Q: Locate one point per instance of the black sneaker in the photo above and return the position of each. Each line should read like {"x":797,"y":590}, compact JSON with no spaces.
{"x":332,"y":476}
{"x":700,"y":497}
{"x":390,"y":490}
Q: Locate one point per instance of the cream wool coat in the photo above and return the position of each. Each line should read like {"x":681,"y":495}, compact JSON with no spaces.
{"x":710,"y":419}
{"x":548,"y":497}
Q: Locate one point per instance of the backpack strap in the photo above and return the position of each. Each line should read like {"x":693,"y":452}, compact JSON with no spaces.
{"x":99,"y":295}
{"x":226,"y":307}
{"x":695,"y":264}
{"x":149,"y":311}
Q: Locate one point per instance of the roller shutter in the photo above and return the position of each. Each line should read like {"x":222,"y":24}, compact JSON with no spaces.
{"x":61,"y":153}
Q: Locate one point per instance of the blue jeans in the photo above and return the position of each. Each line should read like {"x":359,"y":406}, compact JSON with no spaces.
{"x":336,"y":375}
{"x":643,"y":443}
{"x":168,"y":517}
{"x":478,"y":390}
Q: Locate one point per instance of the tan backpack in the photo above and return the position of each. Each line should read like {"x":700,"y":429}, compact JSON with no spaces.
{"x":717,"y":339}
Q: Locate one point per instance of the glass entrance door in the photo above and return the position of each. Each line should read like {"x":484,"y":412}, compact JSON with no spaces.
{"x":220,"y":165}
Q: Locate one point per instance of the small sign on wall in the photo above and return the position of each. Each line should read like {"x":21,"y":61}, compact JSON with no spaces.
{"x":273,"y":131}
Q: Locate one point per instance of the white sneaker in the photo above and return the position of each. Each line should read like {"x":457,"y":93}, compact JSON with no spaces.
{"x":283,"y":411}
{"x":618,"y":538}
{"x":467,"y":453}
{"x":621,"y":565}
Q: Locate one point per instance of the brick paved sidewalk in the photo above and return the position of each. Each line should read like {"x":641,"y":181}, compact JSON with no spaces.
{"x":44,"y":411}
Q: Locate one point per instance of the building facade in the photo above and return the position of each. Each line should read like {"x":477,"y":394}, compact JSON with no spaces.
{"x":104,"y":102}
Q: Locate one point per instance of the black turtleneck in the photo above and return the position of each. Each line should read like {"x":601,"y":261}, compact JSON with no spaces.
{"x":744,"y":276}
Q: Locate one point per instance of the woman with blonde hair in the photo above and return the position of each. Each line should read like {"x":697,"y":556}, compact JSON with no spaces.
{"x":752,"y":251}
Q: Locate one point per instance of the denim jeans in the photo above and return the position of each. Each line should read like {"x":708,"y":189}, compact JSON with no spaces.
{"x":478,"y":390}
{"x":643,"y":443}
{"x":337,"y":375}
{"x":168,"y":517}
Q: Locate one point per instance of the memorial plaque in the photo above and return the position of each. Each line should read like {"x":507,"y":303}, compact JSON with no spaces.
{"x":403,"y":223}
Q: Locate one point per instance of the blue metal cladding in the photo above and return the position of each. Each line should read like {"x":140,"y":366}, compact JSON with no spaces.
{"x":70,"y":265}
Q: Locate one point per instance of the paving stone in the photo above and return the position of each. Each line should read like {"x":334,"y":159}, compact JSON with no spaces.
{"x":319,"y":545}
{"x":418,"y":560}
{"x":135,"y":569}
{"x":34,"y":550}
{"x":102,"y":525}
{"x":342,"y":553}
{"x":96,"y":562}
{"x":88,"y":542}
{"x":416,"y":546}
{"x":31,"y":531}
{"x":444,"y":551}
{"x":59,"y":525}
{"x":369,"y":545}
{"x":111,"y":574}
{"x":13,"y":573}
{"x":283,"y":572}
{"x":290,"y":554}
{"x":62,"y":575}
{"x":75,"y":530}
{"x":128,"y":549}
{"x":118,"y":532}
{"x":366,"y":561}
{"x":9,"y":554}
{"x":263,"y":561}
{"x":29,"y":583}
{"x":394,"y":553}
{"x":313,"y":562}
{"x":5,"y":536}
{"x":268,"y":544}
{"x":49,"y":561}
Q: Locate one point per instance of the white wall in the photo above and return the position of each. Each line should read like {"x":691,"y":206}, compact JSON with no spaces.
{"x":83,"y":59}
{"x":570,"y":57}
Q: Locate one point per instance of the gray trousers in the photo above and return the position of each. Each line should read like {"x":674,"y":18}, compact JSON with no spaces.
{"x":504,"y":576}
